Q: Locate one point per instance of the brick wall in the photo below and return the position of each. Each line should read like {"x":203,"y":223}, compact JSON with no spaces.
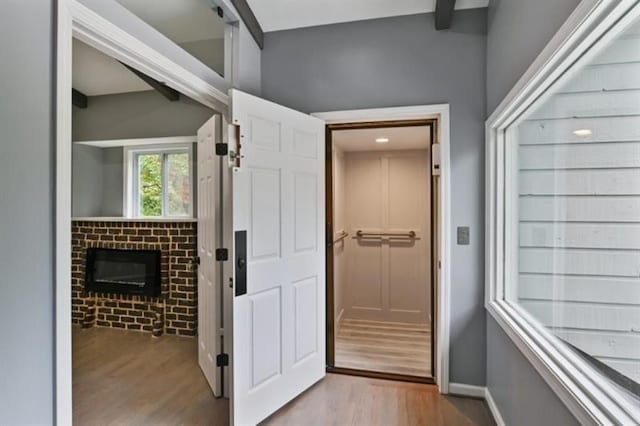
{"x":173,"y":312}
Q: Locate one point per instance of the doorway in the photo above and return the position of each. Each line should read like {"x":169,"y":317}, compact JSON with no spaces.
{"x":382,"y":248}
{"x":144,"y":284}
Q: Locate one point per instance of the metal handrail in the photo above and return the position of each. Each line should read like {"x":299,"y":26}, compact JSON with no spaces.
{"x":341,"y":237}
{"x":410,"y":234}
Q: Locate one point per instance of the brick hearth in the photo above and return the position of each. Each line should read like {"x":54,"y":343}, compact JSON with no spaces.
{"x":173,"y":312}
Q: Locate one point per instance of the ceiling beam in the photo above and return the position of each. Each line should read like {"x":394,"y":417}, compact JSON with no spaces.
{"x":250,"y":20}
{"x":79,"y":99}
{"x":163,"y":89}
{"x":444,"y":14}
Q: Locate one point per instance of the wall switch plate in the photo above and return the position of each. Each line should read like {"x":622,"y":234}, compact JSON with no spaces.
{"x":463,"y":235}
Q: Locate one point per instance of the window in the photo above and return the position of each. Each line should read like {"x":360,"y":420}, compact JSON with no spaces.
{"x":564,"y":216}
{"x":160,"y":182}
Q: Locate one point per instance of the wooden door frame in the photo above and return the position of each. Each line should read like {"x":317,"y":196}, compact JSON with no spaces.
{"x":437,"y":118}
{"x":74,"y":20}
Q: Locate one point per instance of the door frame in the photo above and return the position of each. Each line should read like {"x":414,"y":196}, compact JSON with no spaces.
{"x":75,"y":20}
{"x":441,"y":303}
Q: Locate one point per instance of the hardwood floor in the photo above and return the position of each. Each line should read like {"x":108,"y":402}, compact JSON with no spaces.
{"x":341,"y":400}
{"x":385,"y":347}
{"x":127,"y":378}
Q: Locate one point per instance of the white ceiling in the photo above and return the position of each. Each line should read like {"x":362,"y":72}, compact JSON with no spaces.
{"x":95,"y":73}
{"x":182,"y":21}
{"x":400,"y":138}
{"x":275,"y":15}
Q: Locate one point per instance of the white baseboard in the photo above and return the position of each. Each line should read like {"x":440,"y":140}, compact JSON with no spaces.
{"x":493,"y":408}
{"x":478,"y":392}
{"x":467,"y":390}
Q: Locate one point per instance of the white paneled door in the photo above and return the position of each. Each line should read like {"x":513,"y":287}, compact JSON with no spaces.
{"x":279,"y":255}
{"x":208,"y":270}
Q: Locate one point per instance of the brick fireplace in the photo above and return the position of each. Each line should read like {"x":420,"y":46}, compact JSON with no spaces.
{"x":174,"y":311}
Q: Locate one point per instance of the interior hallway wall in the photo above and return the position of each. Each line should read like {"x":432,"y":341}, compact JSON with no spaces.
{"x":137,"y":115}
{"x":26,"y":212}
{"x":518,"y":30}
{"x":87,"y":181}
{"x":403,"y":61}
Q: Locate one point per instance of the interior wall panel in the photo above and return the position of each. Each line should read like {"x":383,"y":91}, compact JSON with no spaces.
{"x":388,"y":279}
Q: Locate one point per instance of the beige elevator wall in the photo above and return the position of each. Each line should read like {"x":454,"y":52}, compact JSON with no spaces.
{"x":339,"y":224}
{"x":384,"y":279}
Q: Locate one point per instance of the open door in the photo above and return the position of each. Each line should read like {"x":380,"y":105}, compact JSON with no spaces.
{"x":209,"y":268}
{"x":279,"y":281}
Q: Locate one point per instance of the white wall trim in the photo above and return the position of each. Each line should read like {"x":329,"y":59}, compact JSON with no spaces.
{"x":113,"y":143}
{"x":493,"y":407}
{"x":441,"y":113}
{"x":76,"y":20}
{"x":589,"y":397}
{"x":467,"y":390}
{"x":113,"y":41}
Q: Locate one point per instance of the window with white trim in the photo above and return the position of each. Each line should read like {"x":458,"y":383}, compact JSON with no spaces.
{"x":160,"y":182}
{"x":564,"y":217}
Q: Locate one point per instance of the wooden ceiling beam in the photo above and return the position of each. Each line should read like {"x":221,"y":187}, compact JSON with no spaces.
{"x":250,"y":20}
{"x":79,"y":99}
{"x":444,"y":14}
{"x":166,"y":91}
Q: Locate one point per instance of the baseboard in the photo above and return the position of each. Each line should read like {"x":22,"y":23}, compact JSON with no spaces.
{"x":478,"y":392}
{"x":493,"y":408}
{"x":467,"y":390}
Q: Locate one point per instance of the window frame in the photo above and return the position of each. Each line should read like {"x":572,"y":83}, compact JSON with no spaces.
{"x":582,"y":389}
{"x":131,"y":182}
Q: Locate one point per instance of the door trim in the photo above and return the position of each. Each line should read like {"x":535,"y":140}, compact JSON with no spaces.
{"x":388,"y":117}
{"x":76,"y":20}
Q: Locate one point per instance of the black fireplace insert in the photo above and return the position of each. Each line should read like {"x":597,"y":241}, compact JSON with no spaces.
{"x":117,"y":271}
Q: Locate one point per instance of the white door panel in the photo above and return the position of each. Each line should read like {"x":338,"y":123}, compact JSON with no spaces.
{"x":278,"y":199}
{"x":208,"y":272}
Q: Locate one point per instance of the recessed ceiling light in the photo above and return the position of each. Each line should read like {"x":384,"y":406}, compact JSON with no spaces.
{"x":382,"y":140}
{"x":583,"y":132}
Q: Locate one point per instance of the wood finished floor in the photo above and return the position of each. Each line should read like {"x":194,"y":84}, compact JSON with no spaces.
{"x":341,"y":400}
{"x":128,"y":378}
{"x":386,"y":347}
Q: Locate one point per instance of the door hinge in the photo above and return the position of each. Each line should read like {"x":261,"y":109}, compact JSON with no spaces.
{"x":222,"y":255}
{"x":222,"y":360}
{"x":222,"y":149}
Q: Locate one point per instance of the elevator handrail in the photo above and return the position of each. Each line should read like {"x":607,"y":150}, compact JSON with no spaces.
{"x":409,"y":234}
{"x":341,"y":237}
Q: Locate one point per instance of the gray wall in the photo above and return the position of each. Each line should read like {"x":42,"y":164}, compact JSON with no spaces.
{"x":397,"y":62}
{"x":113,"y":181}
{"x":518,"y":30}
{"x":521,"y":395}
{"x":86,"y":181}
{"x":97,"y":181}
{"x":138,"y":115}
{"x":26,"y":212}
{"x":122,"y":116}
